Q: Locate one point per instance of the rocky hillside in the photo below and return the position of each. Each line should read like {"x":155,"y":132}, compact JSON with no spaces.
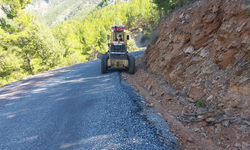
{"x":203,"y":52}
{"x":201,"y":61}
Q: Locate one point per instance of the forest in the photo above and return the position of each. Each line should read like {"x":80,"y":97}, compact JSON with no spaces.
{"x":28,"y":46}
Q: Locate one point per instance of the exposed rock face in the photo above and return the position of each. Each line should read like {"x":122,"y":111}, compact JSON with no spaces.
{"x":205,"y":48}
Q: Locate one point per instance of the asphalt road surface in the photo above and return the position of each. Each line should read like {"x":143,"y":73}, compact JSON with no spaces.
{"x":74,"y":107}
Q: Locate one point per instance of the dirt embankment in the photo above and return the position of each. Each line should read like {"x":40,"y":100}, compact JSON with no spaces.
{"x":197,"y":74}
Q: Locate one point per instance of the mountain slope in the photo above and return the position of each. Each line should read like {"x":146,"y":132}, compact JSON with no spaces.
{"x":55,"y":11}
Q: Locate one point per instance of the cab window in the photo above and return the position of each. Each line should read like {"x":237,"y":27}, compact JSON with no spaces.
{"x":118,"y":35}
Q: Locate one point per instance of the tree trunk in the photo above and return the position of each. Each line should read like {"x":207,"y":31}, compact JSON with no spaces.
{"x":30,"y":64}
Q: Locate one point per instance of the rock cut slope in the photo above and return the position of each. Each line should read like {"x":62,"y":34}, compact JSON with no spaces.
{"x":202,"y":54}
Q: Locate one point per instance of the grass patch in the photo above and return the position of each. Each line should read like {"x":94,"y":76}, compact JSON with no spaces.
{"x":200,"y":103}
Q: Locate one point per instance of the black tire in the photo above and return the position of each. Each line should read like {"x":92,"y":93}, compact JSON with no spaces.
{"x":131,"y":61}
{"x":104,"y":61}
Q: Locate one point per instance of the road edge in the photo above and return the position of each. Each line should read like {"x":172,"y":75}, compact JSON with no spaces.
{"x":154,"y":120}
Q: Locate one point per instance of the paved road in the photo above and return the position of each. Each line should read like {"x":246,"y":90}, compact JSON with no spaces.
{"x":74,"y":107}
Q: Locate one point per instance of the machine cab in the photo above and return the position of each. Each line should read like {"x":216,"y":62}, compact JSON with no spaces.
{"x":118,"y":35}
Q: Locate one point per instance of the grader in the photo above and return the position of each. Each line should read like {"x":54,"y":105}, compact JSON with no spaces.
{"x":117,"y":55}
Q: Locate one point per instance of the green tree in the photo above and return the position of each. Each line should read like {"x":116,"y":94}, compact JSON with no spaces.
{"x":166,"y":6}
{"x":27,"y":47}
{"x":14,"y":8}
{"x":70,"y":36}
{"x":37,"y":43}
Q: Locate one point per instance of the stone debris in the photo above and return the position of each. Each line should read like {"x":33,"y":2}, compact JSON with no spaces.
{"x":245,"y":146}
{"x":221,"y":105}
{"x":210,"y":98}
{"x":215,"y":9}
{"x":189,"y":50}
{"x":225,"y":123}
{"x":246,"y":122}
{"x":190,"y":100}
{"x":190,"y":139}
{"x":246,"y":41}
{"x":203,"y":53}
{"x":150,"y":104}
{"x":210,"y":120}
{"x":182,"y":15}
{"x":149,"y":87}
{"x":204,"y":135}
{"x":238,"y":145}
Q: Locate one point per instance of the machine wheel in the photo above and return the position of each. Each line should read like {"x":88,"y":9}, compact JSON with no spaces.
{"x":131,"y":60}
{"x":104,"y":61}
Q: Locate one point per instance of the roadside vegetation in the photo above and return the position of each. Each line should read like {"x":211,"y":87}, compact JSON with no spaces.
{"x":28,"y":46}
{"x":167,"y":6}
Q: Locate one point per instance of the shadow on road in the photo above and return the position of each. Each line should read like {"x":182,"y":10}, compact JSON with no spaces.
{"x":70,"y":108}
